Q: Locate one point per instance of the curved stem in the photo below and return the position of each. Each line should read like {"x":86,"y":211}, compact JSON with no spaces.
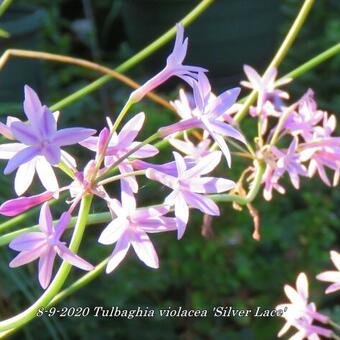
{"x":79,"y":62}
{"x":280,"y":54}
{"x":27,"y":315}
{"x":198,"y":10}
{"x":255,"y":187}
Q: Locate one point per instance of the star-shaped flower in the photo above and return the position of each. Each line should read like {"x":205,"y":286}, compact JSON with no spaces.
{"x":45,"y":245}
{"x":188,"y":187}
{"x":131,"y":226}
{"x":332,"y":276}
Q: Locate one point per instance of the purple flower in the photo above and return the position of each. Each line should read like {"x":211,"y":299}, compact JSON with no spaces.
{"x":332,"y":276}
{"x":174,"y":67}
{"x":300,"y":314}
{"x":266,"y":87}
{"x":45,"y":245}
{"x":17,"y":206}
{"x":40,"y":144}
{"x":122,"y":143}
{"x":290,"y":162}
{"x":208,"y":115}
{"x":304,"y":121}
{"x":131,"y":227}
{"x":188,"y":186}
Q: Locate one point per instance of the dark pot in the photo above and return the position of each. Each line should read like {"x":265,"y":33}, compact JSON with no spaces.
{"x":229,"y":34}
{"x":23,"y":23}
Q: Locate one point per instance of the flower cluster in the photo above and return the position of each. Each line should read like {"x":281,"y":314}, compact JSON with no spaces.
{"x":37,"y":147}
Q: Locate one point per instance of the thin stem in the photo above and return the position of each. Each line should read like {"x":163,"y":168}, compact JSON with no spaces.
{"x":281,"y":123}
{"x":79,"y":62}
{"x":243,"y":200}
{"x":137,"y":58}
{"x":118,"y":177}
{"x":4,"y":5}
{"x":91,"y":219}
{"x":334,"y":325}
{"x":308,"y":65}
{"x":280,"y":54}
{"x":20,"y":319}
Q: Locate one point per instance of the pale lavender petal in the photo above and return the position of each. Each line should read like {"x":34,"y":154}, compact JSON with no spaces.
{"x":180,"y":164}
{"x":182,"y":215}
{"x":330,"y":276}
{"x":113,"y":231}
{"x":46,"y":174}
{"x":71,"y":136}
{"x":145,"y":151}
{"x":302,"y":285}
{"x":158,"y":225}
{"x":46,"y":262}
{"x":27,"y":256}
{"x":227,"y":130}
{"x":128,"y":198}
{"x":180,"y":126}
{"x":32,"y":106}
{"x":24,"y":133}
{"x":152,"y":211}
{"x":47,"y":123}
{"x":6,"y":131}
{"x":52,"y":154}
{"x":20,"y":158}
{"x":224,"y":101}
{"x":71,"y":258}
{"x":204,"y":166}
{"x":210,"y":185}
{"x":24,"y":177}
{"x":17,"y":206}
{"x":8,"y":150}
{"x":116,"y":208}
{"x":45,"y":219}
{"x":161,"y":177}
{"x":144,"y":249}
{"x":254,"y":77}
{"x":180,"y":47}
{"x":131,"y":181}
{"x":28,"y":241}
{"x":204,"y":204}
{"x":131,"y":129}
{"x":62,"y":224}
{"x":90,"y":143}
{"x":333,"y":288}
{"x":118,"y":254}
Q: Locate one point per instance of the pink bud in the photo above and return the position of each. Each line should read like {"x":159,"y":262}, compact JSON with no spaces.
{"x":103,"y":140}
{"x":18,"y":205}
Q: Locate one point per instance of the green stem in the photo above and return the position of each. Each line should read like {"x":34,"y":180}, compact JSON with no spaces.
{"x":92,"y":219}
{"x":280,"y":54}
{"x":255,"y":187}
{"x":320,"y":58}
{"x":198,"y":10}
{"x":3,"y":7}
{"x":334,"y":325}
{"x":118,"y":177}
{"x":27,"y":315}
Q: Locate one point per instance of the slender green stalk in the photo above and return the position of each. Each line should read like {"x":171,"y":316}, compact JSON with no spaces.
{"x":147,"y":51}
{"x":320,"y":58}
{"x":92,"y":219}
{"x":4,"y":5}
{"x":255,"y":187}
{"x":55,"y":286}
{"x":280,"y":54}
{"x":334,"y":325}
{"x":118,"y":177}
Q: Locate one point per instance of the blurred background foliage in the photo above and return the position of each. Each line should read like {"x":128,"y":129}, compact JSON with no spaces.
{"x":227,"y":269}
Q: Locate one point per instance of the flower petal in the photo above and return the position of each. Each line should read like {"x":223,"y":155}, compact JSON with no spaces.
{"x":24,"y":177}
{"x":204,"y":204}
{"x":113,"y":231}
{"x":25,"y":133}
{"x":32,"y":105}
{"x":47,"y":175}
{"x":45,"y":219}
{"x":8,"y":150}
{"x":144,"y":249}
{"x":46,"y":267}
{"x":182,"y":215}
{"x":71,"y":136}
{"x":210,"y":185}
{"x":52,"y":154}
{"x":131,"y":129}
{"x":71,"y":258}
{"x":118,"y":254}
{"x":27,"y":256}
{"x":27,"y":241}
{"x":22,"y":157}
